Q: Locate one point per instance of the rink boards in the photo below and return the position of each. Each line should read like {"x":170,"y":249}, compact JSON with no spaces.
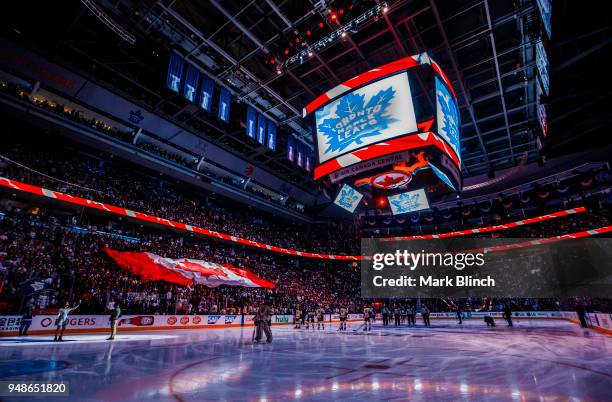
{"x":45,"y":324}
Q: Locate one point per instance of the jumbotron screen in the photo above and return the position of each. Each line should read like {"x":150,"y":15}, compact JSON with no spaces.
{"x":383,"y":118}
{"x":368,"y":115}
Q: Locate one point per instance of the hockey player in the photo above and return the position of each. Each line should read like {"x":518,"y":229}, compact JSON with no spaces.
{"x":425,"y":315}
{"x":343,"y":318}
{"x":297,"y":317}
{"x":410,"y":315}
{"x":262,"y":321}
{"x":397,"y":315}
{"x":368,"y":315}
{"x":320,"y":318}
{"x":489,"y":321}
{"x":311,"y":318}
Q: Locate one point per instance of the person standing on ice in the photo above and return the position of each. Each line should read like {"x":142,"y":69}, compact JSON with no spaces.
{"x":320,"y":317}
{"x":62,"y":320}
{"x":581,"y":311}
{"x":113,"y":320}
{"x":262,"y":321}
{"x":410,"y":314}
{"x":297,"y":317}
{"x":385,"y":315}
{"x":397,"y":315}
{"x":367,"y":318}
{"x":343,"y":318}
{"x":459,"y":314}
{"x":508,"y":314}
{"x":425,"y":315}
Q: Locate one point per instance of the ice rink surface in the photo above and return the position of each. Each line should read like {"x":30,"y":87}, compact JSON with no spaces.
{"x":532,"y":361}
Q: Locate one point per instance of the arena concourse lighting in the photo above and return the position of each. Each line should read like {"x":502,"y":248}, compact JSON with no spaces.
{"x":325,"y":200}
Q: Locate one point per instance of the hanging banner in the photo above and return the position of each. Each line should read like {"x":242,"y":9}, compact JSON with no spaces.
{"x":192,"y":78}
{"x":175,"y":72}
{"x":291,"y":148}
{"x":271,"y":135}
{"x":225,"y":99}
{"x":300,"y":154}
{"x":251,"y":121}
{"x":206,"y":94}
{"x":308,"y":161}
{"x":261,"y":128}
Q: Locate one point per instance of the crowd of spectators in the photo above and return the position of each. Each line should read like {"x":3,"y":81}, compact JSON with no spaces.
{"x":45,"y":261}
{"x":103,"y":180}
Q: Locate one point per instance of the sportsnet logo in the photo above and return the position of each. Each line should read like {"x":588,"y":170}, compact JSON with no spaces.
{"x":229,"y":319}
{"x":212,"y":319}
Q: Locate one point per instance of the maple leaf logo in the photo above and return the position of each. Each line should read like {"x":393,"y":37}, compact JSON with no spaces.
{"x":405,"y":202}
{"x":347,"y":198}
{"x":355,"y":120}
{"x":449,"y":124}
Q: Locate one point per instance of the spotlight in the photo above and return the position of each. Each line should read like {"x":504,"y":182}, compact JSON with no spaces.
{"x":286,"y":51}
{"x":343,"y":34}
{"x":381,"y":201}
{"x":333,"y":16}
{"x":321,"y":25}
{"x":310,"y":53}
{"x":279,"y":70}
{"x":385,"y":9}
{"x":307,"y":33}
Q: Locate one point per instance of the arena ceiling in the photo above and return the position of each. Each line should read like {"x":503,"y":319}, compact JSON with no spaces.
{"x":486,"y":48}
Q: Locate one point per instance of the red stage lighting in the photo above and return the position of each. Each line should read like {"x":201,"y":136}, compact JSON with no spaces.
{"x":286,"y":51}
{"x":333,"y":16}
{"x":307,"y":33}
{"x":381,"y":201}
{"x":321,"y":25}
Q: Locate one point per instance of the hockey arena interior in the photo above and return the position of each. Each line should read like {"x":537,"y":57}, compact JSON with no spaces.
{"x":314,"y":200}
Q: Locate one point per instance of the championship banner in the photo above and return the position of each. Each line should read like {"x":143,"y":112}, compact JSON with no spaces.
{"x":192,"y":78}
{"x":291,"y":148}
{"x":261,"y":128}
{"x":225,"y":99}
{"x":271,"y":135}
{"x":206,"y":94}
{"x":175,"y":72}
{"x":251,"y":122}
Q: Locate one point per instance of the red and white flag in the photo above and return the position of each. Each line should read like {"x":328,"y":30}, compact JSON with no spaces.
{"x":185,"y":271}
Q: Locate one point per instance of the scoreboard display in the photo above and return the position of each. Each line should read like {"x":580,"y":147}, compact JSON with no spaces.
{"x":395,"y":128}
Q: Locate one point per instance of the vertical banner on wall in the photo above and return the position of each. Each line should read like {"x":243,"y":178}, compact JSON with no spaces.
{"x":192,"y":78}
{"x":261,"y":128}
{"x":175,"y":72}
{"x":300,"y":154}
{"x":291,"y":148}
{"x":308,"y":161}
{"x":251,"y":122}
{"x":206,"y":94}
{"x":225,"y":100}
{"x":271,"y":135}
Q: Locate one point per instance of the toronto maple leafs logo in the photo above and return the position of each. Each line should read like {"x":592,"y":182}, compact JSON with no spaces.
{"x":405,"y":202}
{"x":348,"y":198}
{"x":448,"y":116}
{"x":354,"y":119}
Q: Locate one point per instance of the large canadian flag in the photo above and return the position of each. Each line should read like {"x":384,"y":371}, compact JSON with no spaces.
{"x":185,"y":271}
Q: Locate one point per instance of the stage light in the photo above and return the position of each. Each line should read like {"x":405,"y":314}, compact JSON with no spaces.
{"x":279,"y":70}
{"x":341,"y":11}
{"x":333,"y":16}
{"x":307,"y":33}
{"x":321,"y":25}
{"x":385,"y":9}
{"x":343,"y":34}
{"x":286,"y":51}
{"x":310,"y":53}
{"x":381,"y":201}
